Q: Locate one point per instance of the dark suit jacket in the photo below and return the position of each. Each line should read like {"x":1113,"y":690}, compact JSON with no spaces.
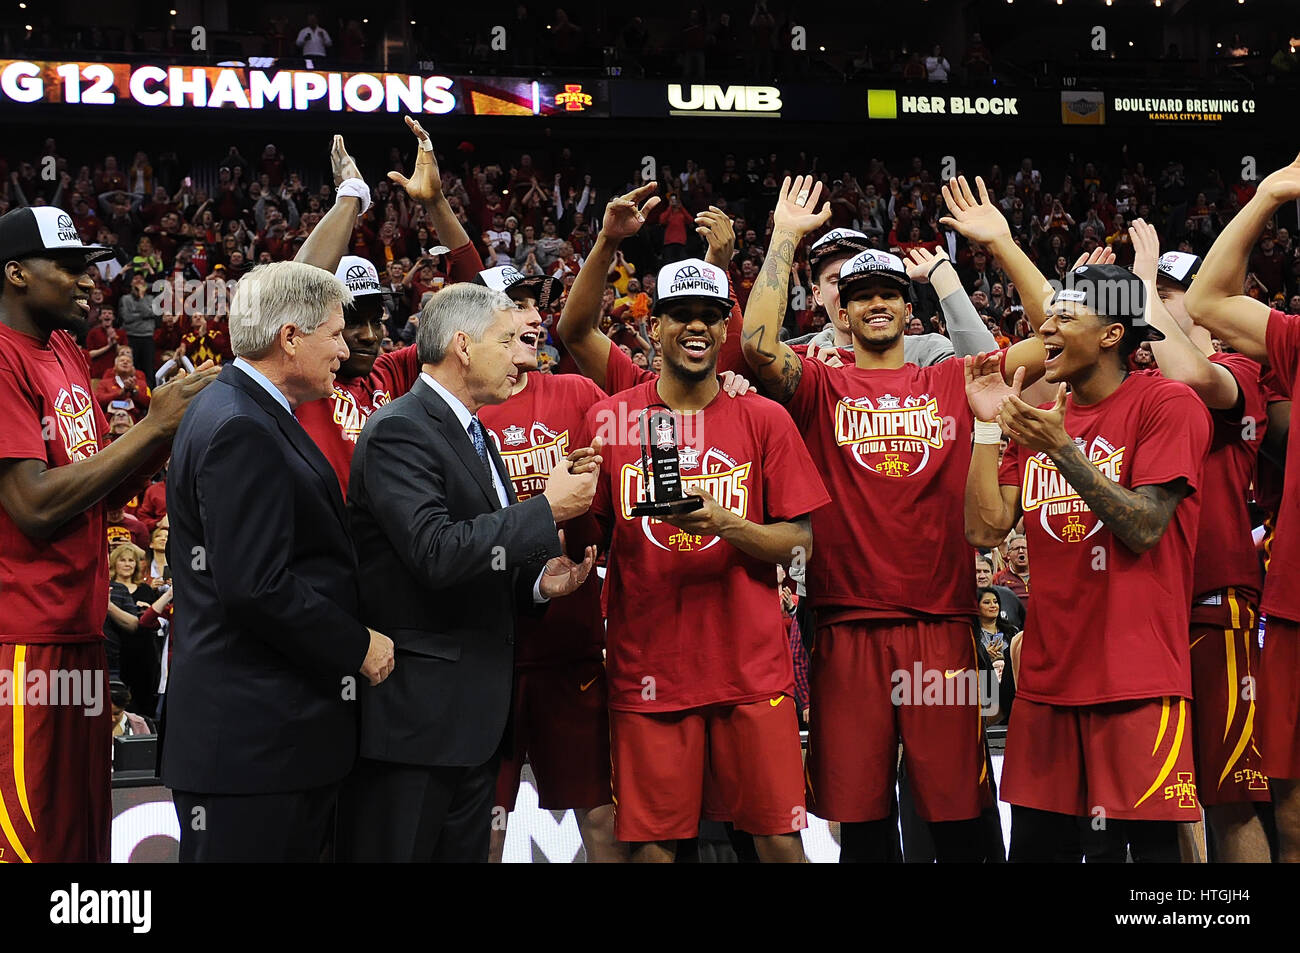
{"x":444,"y":568}
{"x":267,"y":603}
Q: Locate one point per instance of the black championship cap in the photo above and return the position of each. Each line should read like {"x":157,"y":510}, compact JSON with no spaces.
{"x":44,"y":232}
{"x":1112,"y":292}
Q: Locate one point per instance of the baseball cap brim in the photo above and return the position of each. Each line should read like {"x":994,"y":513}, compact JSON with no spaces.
{"x":666,"y":303}
{"x":90,"y":253}
{"x":544,"y":289}
{"x":846,"y":283}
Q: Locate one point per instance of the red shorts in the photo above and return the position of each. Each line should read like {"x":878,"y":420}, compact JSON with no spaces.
{"x":1131,"y":760}
{"x":876,"y":683}
{"x":1278,"y":730}
{"x":746,"y":756}
{"x":562,"y":729}
{"x":56,"y":743}
{"x":1225,"y":666}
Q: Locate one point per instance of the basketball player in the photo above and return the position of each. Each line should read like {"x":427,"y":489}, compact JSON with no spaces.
{"x":559,"y":719}
{"x":1215,"y":301}
{"x":58,"y":475}
{"x":1107,"y":481}
{"x":891,"y":587}
{"x":1226,"y":584}
{"x":701,"y":683}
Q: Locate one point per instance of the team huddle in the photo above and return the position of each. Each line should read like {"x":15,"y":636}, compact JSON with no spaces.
{"x":662,"y":692}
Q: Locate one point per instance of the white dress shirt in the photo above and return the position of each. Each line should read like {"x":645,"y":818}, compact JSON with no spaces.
{"x":261,"y":380}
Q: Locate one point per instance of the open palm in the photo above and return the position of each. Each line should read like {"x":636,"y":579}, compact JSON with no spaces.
{"x":978,"y":219}
{"x":986,"y":388}
{"x":425,"y":183}
{"x":803,"y":217}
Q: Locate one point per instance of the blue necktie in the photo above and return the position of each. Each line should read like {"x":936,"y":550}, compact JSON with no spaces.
{"x":480,"y":444}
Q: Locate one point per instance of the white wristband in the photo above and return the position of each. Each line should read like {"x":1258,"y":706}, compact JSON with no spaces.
{"x":988,"y":432}
{"x":358,"y":190}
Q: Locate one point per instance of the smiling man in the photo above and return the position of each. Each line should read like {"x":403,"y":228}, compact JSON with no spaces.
{"x":891,"y":586}
{"x":58,"y":477}
{"x":261,"y":724}
{"x":701,"y":682}
{"x":1106,"y":479}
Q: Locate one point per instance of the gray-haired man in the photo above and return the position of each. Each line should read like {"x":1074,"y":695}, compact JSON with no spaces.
{"x":447,"y":557}
{"x":260,"y":718}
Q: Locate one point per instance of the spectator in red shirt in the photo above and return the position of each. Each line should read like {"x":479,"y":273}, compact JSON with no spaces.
{"x":122,"y":386}
{"x":1016,"y":576}
{"x":675,"y":220}
{"x":102,"y":341}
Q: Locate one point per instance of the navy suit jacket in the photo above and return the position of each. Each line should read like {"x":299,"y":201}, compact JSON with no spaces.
{"x":267,"y":645}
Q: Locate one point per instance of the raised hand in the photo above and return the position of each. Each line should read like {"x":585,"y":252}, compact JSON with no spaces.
{"x":625,"y":215}
{"x":796,"y":206}
{"x":716,"y":228}
{"x":977,"y":219}
{"x":425,"y":184}
{"x":986,"y":388}
{"x":920,"y":261}
{"x":1101,"y":255}
{"x":342,"y":164}
{"x":1040,"y":431}
{"x":1146,"y":249}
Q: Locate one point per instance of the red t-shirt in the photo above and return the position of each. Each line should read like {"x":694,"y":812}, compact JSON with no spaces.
{"x":335,"y":422}
{"x":1282,"y":587}
{"x":534,"y":431}
{"x":1225,"y":549}
{"x":697,"y":617}
{"x":894,"y":448}
{"x":1105,"y":624}
{"x":54,"y":590}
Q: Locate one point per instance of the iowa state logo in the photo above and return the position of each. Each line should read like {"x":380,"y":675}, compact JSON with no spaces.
{"x":75,"y":414}
{"x":531,"y":464}
{"x":891,"y":436}
{"x":720,"y":476}
{"x":348,"y":415}
{"x":1061,"y":512}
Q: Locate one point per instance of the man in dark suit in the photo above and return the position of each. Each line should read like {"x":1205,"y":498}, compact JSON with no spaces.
{"x":261,"y":698}
{"x":447,"y":557}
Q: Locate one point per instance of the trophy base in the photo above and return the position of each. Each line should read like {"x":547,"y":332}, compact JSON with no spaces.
{"x":661,"y":508}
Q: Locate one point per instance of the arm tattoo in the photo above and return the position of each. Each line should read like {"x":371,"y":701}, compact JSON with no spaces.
{"x":773,"y":283}
{"x":1139,"y":517}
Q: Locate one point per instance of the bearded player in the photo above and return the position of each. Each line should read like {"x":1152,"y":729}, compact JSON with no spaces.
{"x":701,"y":682}
{"x":1215,"y":301}
{"x":58,"y":475}
{"x":891,"y":587}
{"x":559,"y":719}
{"x":367,"y":379}
{"x":1226,"y":582}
